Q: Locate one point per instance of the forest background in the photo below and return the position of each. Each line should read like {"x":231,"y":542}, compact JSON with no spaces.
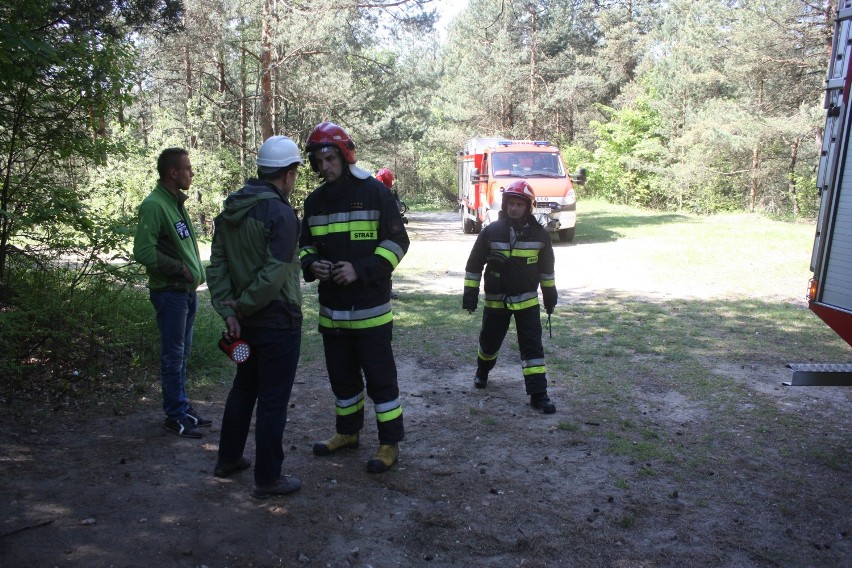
{"x":699,"y":107}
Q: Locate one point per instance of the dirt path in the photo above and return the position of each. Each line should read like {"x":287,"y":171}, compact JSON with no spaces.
{"x":520,"y":489}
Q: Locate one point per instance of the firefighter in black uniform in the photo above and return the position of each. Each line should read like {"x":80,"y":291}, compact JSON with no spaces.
{"x":517,"y":256}
{"x":352,"y":239}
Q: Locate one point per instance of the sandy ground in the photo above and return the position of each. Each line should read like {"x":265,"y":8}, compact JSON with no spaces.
{"x":483,"y":479}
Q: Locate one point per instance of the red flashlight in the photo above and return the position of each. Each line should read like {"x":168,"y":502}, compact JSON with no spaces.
{"x":237,"y":350}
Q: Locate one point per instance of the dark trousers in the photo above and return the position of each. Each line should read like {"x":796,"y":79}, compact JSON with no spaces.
{"x":495,"y":324}
{"x":346,"y":356}
{"x":266,"y":378}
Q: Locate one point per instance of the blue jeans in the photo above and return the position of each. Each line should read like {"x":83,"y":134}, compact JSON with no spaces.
{"x":175,"y":320}
{"x":266,"y":378}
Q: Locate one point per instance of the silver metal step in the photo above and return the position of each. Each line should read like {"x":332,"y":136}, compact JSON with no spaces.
{"x":820,"y":375}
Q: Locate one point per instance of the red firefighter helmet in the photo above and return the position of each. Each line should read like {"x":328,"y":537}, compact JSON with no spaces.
{"x":327,"y":134}
{"x":520,"y":189}
{"x":385,"y":176}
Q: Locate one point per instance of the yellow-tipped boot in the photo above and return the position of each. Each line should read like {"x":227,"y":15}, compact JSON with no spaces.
{"x":384,"y":459}
{"x":337,"y":442}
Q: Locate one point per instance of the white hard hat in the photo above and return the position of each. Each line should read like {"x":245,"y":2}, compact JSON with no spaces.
{"x":278,"y":152}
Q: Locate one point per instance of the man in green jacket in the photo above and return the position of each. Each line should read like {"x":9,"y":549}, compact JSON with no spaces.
{"x":166,"y":245}
{"x":254,"y":277}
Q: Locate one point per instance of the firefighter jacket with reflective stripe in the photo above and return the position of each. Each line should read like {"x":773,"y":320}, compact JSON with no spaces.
{"x":254,"y":260}
{"x":515,"y":261}
{"x":357,"y":221}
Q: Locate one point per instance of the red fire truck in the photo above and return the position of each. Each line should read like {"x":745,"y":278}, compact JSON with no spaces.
{"x":487,"y":165}
{"x":830,"y":289}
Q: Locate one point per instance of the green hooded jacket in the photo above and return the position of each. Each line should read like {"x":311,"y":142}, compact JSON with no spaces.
{"x":165,"y":242}
{"x":254,"y":259}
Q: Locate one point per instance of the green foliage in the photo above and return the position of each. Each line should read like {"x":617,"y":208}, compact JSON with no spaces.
{"x":67,"y":332}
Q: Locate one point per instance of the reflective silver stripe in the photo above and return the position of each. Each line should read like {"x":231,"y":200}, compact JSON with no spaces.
{"x":370,"y":215}
{"x":393,"y":247}
{"x":350,"y":401}
{"x":385,"y":406}
{"x":500,"y":246}
{"x":532,"y":363}
{"x":354,"y":315}
{"x":532,"y":245}
{"x":494,"y":297}
{"x":522,"y":297}
{"x":472,"y":276}
{"x":547,"y":276}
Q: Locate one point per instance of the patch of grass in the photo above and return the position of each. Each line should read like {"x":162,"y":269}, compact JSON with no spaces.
{"x":627,"y":521}
{"x":568,"y":426}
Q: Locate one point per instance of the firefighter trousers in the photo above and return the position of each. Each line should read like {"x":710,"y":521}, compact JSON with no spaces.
{"x":346,"y":356}
{"x":495,"y":324}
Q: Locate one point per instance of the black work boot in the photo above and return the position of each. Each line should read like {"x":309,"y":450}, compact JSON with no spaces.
{"x":480,"y":380}
{"x":542,"y":402}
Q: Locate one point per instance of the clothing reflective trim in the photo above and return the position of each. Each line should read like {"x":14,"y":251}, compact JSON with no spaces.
{"x":472,"y":276}
{"x":551,"y":276}
{"x":471,"y":283}
{"x":390,"y":251}
{"x":529,"y":245}
{"x":355,"y":319}
{"x":533,"y":363}
{"x":485,"y":357}
{"x":498,"y":246}
{"x":345,"y":227}
{"x":344,"y":217}
{"x":385,"y":406}
{"x":305,"y":251}
{"x":534,"y":370}
{"x":389,"y":415}
{"x":350,"y":409}
{"x":522,"y":297}
{"x":495,"y":297}
{"x":495,"y":304}
{"x":350,"y":405}
{"x":393,"y":247}
{"x":525,"y":253}
{"x":548,"y":283}
{"x":515,"y":306}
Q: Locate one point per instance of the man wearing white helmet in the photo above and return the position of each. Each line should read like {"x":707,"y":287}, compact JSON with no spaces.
{"x":254,"y":279}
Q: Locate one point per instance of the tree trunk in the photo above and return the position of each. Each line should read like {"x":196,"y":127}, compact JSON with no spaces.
{"x":266,"y":127}
{"x":794,"y":153}
{"x":533,"y":73}
{"x":243,"y":100}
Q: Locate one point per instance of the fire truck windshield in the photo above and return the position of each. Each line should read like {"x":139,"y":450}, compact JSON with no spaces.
{"x":526,"y":164}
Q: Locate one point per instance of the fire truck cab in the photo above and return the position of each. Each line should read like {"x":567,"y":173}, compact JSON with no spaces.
{"x":488,"y":165}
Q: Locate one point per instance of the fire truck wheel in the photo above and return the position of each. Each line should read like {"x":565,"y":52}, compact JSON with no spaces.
{"x":566,"y":235}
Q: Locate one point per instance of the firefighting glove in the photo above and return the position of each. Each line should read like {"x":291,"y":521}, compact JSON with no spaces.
{"x":550,"y":296}
{"x":470,"y":299}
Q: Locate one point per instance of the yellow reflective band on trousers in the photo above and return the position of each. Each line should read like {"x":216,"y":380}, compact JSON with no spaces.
{"x":471,"y":283}
{"x":351,"y":406}
{"x":485,"y":357}
{"x":535,"y":370}
{"x":388,"y":415}
{"x":548,"y":283}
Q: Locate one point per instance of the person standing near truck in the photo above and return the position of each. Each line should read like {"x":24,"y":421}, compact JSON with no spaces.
{"x":352,"y":240}
{"x":517,"y":256}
